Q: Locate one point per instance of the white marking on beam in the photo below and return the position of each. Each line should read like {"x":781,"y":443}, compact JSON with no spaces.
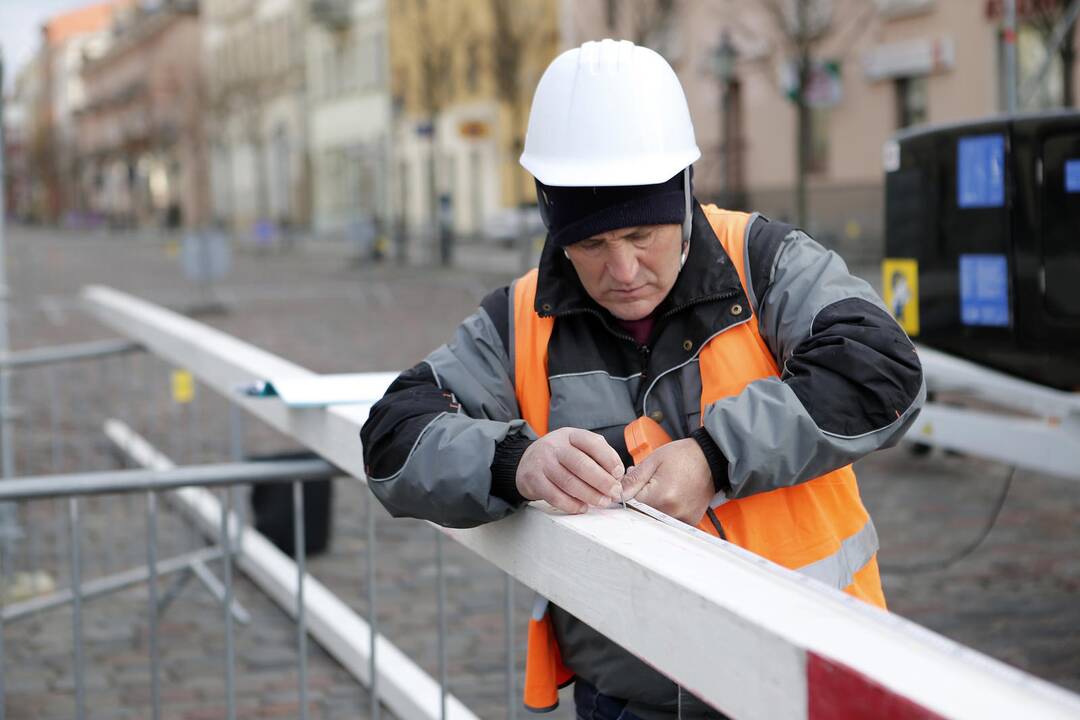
{"x":402,"y":686}
{"x":730,"y":626}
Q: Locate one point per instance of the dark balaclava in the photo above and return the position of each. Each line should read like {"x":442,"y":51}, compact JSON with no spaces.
{"x":575,"y":213}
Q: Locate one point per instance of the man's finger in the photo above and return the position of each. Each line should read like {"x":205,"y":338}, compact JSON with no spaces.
{"x":572,"y":484}
{"x":596,"y":447}
{"x":561,"y":501}
{"x":637,"y":478}
{"x":582,"y":466}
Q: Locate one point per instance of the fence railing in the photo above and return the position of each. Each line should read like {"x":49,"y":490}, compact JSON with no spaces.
{"x":73,"y":488}
{"x":88,"y":391}
{"x":678,"y":599}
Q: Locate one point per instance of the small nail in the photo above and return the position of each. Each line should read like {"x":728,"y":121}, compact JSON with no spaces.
{"x":619,"y":472}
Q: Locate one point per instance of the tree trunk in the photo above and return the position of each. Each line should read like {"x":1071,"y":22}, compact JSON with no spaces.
{"x":1068,"y":58}
{"x":804,"y":140}
{"x":803,"y":111}
{"x":441,"y":247}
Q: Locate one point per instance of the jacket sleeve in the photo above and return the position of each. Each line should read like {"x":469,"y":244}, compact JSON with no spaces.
{"x":444,"y":441}
{"x":850,"y":380}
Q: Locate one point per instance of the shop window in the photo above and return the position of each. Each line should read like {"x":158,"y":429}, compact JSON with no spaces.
{"x":910,"y":101}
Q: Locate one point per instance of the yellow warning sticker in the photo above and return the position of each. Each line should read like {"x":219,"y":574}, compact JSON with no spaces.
{"x":900,"y":289}
{"x":183,"y":387}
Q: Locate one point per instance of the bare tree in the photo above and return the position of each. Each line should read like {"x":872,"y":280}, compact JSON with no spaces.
{"x":438,"y":30}
{"x":1044,"y":16}
{"x":645,"y":22}
{"x":801,"y":31}
{"x":522,"y":43}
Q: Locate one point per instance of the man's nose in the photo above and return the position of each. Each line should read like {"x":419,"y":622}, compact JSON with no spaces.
{"x":622,"y":263}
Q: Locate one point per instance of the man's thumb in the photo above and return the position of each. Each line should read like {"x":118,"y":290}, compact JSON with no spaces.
{"x":636,"y":478}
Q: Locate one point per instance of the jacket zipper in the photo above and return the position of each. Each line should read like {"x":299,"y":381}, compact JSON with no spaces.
{"x":644,"y":351}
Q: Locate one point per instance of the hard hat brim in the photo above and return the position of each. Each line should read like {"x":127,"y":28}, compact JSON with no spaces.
{"x":641,"y":170}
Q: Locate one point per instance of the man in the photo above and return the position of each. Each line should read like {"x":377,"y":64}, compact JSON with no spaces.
{"x":745,"y":341}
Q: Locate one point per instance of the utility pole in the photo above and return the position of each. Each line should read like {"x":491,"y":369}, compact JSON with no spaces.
{"x":391,"y":182}
{"x":1009,"y":36}
{"x":9,"y":530}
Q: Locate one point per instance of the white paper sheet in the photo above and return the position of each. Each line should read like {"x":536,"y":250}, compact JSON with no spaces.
{"x":322,"y":390}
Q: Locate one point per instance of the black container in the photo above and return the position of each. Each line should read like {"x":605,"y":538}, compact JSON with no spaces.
{"x":272,"y":508}
{"x":990,"y":210}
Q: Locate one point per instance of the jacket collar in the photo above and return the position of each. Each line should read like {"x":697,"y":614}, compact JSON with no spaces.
{"x":707,"y":274}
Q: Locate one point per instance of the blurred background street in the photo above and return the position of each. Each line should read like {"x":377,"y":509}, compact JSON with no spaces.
{"x":336,"y":182}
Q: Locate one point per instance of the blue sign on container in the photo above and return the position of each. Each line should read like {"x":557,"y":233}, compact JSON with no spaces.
{"x":984,"y":290}
{"x":1072,"y":176}
{"x":980,"y":171}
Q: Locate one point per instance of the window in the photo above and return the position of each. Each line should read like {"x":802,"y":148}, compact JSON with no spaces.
{"x":1042,"y":91}
{"x":910,"y":101}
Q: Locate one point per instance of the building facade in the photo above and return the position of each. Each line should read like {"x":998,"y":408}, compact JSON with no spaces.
{"x":68,"y":41}
{"x":141,"y":147}
{"x":23,"y":186}
{"x":461,"y":99}
{"x":254,"y":54}
{"x":349,"y":117}
{"x":881,"y":66}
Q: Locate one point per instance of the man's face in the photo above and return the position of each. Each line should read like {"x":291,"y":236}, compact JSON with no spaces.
{"x":630,"y":270}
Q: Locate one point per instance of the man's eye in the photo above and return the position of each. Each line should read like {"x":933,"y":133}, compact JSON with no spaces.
{"x":591,"y":244}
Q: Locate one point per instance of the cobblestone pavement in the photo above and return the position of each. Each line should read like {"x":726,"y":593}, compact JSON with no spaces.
{"x":1015,"y":597}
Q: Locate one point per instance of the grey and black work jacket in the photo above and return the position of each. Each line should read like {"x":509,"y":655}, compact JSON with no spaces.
{"x":444,"y":443}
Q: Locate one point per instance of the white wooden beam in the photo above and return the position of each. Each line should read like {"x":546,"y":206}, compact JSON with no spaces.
{"x":950,"y":373}
{"x":733,"y":628}
{"x":1031,"y":443}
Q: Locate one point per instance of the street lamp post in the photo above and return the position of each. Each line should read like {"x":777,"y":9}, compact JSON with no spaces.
{"x":723,"y":67}
{"x":1010,"y":55}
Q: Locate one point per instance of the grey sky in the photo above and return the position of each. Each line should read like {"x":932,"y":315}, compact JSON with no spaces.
{"x":20,"y":29}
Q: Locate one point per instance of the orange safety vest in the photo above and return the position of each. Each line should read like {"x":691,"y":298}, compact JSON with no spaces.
{"x":792,"y":526}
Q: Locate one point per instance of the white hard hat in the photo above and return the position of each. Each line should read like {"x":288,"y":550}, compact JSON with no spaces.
{"x":606,"y":114}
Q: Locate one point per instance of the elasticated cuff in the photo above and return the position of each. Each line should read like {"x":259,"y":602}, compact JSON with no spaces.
{"x":718,"y":464}
{"x":504,"y":468}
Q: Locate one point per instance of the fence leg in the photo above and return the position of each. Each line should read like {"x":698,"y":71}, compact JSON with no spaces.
{"x":230,"y":651}
{"x":236,"y":451}
{"x":511,"y":659}
{"x":76,"y":615}
{"x":109,"y":503}
{"x":373,"y":618}
{"x":152,"y":585}
{"x":301,"y":570}
{"x":3,"y":694}
{"x":440,"y":577}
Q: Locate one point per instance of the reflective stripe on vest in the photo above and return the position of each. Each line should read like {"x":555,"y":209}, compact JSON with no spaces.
{"x":818,"y":527}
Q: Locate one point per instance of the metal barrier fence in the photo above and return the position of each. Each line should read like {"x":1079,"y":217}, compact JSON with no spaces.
{"x":76,"y":462}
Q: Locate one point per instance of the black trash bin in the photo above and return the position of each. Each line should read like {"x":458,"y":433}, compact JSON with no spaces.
{"x":272,"y":509}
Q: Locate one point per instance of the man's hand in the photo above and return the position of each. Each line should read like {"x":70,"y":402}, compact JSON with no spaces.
{"x":675,"y":479}
{"x":571,"y":468}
